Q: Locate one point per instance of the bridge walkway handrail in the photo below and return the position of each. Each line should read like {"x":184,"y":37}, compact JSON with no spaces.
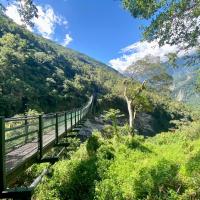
{"x":23,"y":137}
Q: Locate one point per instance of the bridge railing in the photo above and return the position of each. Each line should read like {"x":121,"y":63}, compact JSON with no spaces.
{"x":19,"y":131}
{"x":38,"y":131}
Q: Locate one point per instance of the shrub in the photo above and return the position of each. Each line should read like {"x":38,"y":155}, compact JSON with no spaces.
{"x":157,"y":181}
{"x":93,"y":143}
{"x":164,"y":167}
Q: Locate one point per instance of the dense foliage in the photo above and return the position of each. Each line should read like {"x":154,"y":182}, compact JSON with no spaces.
{"x":172,"y":22}
{"x":163,"y":167}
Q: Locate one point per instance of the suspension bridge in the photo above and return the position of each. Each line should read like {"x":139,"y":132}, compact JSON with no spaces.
{"x":25,"y":140}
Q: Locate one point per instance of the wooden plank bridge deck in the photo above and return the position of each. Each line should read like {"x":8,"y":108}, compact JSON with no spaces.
{"x":24,"y":140}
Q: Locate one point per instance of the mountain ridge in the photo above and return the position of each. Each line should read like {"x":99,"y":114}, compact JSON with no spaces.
{"x":180,"y":80}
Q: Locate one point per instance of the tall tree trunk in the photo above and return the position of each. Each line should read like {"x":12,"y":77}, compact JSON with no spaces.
{"x":130,"y":111}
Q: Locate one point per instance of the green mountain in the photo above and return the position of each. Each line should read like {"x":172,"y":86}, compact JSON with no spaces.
{"x":179,"y":82}
{"x":153,"y":70}
{"x":185,"y":84}
{"x":44,"y":75}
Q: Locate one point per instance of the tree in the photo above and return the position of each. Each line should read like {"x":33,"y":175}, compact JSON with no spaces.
{"x":172,"y":21}
{"x":136,"y":100}
{"x":27,"y":10}
{"x":113,"y":115}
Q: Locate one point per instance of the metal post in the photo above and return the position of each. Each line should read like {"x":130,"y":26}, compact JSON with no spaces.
{"x":71,"y":121}
{"x":65,"y":122}
{"x":56,"y":128}
{"x":40,"y":137}
{"x":77,"y":116}
{"x":2,"y":155}
{"x":75,"y":119}
{"x":26,"y":129}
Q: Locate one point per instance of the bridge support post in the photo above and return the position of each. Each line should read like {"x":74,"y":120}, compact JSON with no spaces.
{"x":78,"y":117}
{"x":71,"y":121}
{"x":56,"y":141}
{"x":75,"y":119}
{"x":65,"y":122}
{"x":26,"y":129}
{"x":2,"y":155}
{"x":40,"y":137}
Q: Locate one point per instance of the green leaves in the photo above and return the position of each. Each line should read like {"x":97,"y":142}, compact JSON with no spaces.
{"x":172,"y":22}
{"x":141,"y":8}
{"x":93,"y":143}
{"x":27,"y":10}
{"x":160,"y":167}
{"x":112,"y":114}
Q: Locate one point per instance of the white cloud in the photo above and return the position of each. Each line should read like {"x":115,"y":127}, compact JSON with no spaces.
{"x":139,"y":50}
{"x":46,"y":22}
{"x":65,"y":22}
{"x":11,"y":11}
{"x":68,"y":39}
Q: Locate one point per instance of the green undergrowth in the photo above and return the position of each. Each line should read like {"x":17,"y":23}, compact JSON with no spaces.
{"x":166,"y":166}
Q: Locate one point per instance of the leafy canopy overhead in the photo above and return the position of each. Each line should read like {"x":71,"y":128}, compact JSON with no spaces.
{"x":172,"y":21}
{"x":27,"y":10}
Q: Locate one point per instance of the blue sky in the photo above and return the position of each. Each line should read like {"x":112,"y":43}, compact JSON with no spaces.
{"x":101,"y":29}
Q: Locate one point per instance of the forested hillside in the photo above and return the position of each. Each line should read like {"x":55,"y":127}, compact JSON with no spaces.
{"x":44,"y":75}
